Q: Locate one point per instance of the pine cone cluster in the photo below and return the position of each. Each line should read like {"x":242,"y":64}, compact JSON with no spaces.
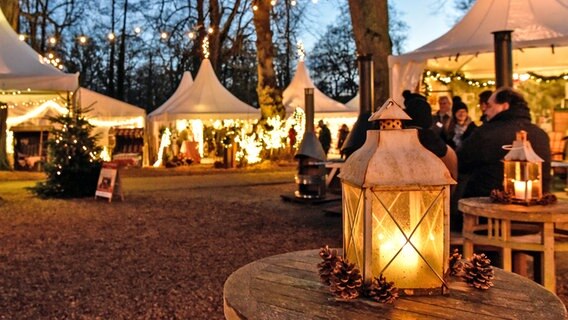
{"x":381,"y":290}
{"x":345,"y":280}
{"x":547,"y":199}
{"x":478,"y":272}
{"x":456,"y":265}
{"x":500,"y":196}
{"x":329,"y":257}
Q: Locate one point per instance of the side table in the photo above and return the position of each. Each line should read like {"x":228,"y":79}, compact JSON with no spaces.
{"x":287,"y":286}
{"x":504,"y":219}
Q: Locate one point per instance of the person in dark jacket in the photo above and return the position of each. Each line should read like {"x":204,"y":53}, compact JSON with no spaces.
{"x":420,"y":111}
{"x":481,"y":154}
{"x":324,"y":136}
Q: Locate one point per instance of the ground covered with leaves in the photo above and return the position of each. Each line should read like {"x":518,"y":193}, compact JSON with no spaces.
{"x":163,"y":253}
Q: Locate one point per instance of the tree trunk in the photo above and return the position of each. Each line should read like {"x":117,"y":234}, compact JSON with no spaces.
{"x":371,"y":31}
{"x":269,"y":95}
{"x":11,"y":10}
{"x":110,"y":85}
{"x":120,"y":73}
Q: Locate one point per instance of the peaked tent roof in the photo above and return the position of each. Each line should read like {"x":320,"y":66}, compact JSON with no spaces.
{"x":293,"y":96}
{"x":539,"y":40}
{"x":22,"y":68}
{"x":205,"y":99}
{"x":179,"y":95}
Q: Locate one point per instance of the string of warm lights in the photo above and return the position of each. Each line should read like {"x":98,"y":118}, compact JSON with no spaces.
{"x":273,"y":3}
{"x":447,"y":78}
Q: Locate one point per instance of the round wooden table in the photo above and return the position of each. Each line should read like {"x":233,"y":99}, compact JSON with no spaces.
{"x":503,"y":220}
{"x":287,"y":286}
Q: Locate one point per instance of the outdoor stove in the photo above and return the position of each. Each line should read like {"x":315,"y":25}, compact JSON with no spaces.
{"x":311,"y":157}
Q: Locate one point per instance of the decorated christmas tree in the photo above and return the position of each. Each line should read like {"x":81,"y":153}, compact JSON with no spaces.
{"x":73,"y":163}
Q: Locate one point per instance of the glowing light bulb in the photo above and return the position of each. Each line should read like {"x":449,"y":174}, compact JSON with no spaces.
{"x":164,"y":35}
{"x":210,"y":30}
{"x":255,"y":7}
{"x":293,"y":2}
{"x":191,"y":35}
{"x":137,"y":30}
{"x":52,"y":40}
{"x":83,"y":39}
{"x":111,"y":36}
{"x":22,"y":37}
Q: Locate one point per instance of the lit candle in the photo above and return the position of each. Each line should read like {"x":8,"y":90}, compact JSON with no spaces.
{"x":523,"y":189}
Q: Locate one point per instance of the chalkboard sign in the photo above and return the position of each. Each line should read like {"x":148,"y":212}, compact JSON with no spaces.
{"x":109,"y":184}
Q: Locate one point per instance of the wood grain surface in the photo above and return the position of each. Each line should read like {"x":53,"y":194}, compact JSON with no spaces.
{"x":287,"y":286}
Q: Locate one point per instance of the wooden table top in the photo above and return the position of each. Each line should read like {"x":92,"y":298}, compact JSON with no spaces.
{"x":484,"y":207}
{"x":287,"y":286}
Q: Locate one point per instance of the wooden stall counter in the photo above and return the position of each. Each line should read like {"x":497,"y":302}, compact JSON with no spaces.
{"x":287,"y":286}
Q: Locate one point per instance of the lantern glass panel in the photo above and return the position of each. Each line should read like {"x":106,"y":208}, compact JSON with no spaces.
{"x":353,"y":224}
{"x":522,"y":179}
{"x":419,"y":216}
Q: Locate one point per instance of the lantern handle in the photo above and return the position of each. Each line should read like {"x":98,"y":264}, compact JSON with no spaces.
{"x":510,"y":147}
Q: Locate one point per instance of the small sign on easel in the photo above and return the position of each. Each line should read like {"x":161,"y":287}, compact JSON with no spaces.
{"x":109,"y":183}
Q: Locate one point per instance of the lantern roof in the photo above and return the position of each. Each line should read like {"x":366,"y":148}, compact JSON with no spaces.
{"x":394,"y":157}
{"x":390,"y":110}
{"x":521,"y":149}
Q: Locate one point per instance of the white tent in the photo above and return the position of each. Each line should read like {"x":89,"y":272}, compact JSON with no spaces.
{"x":324,"y":106}
{"x":539,"y":39}
{"x":21,"y":68}
{"x":179,"y":95}
{"x":205,"y":99}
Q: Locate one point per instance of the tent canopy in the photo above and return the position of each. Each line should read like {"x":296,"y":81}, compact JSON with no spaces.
{"x":294,"y":97}
{"x":104,"y":111}
{"x":205,"y":99}
{"x":539,"y":39}
{"x":21,"y":68}
{"x":106,"y":108}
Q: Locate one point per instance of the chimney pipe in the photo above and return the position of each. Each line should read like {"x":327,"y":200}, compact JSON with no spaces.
{"x":358,"y":133}
{"x":309,"y":106}
{"x":503,"y":58}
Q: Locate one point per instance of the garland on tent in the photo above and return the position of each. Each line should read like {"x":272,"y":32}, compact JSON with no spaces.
{"x":447,"y":78}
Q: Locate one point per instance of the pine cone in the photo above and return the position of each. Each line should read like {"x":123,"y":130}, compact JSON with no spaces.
{"x":456,"y":266}
{"x":479,"y":272}
{"x":500,"y":196}
{"x":326,"y":266}
{"x":346,"y":280}
{"x":381,"y":290}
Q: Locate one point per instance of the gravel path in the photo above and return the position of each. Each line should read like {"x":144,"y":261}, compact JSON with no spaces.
{"x":163,"y":253}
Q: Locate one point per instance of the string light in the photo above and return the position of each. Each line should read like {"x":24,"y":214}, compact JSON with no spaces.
{"x":82,"y":39}
{"x":164,"y":35}
{"x":52,"y":40}
{"x":12,"y":121}
{"x":191,"y":35}
{"x":111,"y":36}
{"x":205,"y":47}
{"x":301,"y":50}
{"x":210,"y":30}
{"x":22,"y":37}
{"x":137,"y":30}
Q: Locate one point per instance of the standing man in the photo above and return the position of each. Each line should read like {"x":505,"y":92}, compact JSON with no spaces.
{"x":324,"y":136}
{"x":441,"y":119}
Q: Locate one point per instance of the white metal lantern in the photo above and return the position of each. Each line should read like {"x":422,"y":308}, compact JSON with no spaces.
{"x":522,"y":171}
{"x":396,"y":202}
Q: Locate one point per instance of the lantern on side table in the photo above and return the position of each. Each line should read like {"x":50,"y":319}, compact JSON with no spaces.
{"x":522,"y":171}
{"x":396,"y":207}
